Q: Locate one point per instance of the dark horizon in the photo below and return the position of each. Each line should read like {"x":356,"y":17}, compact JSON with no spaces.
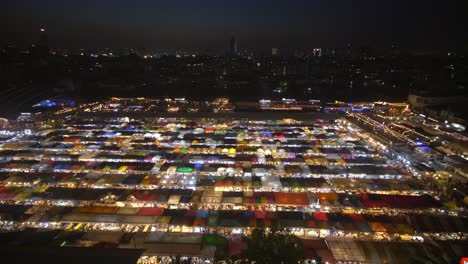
{"x":261,"y":25}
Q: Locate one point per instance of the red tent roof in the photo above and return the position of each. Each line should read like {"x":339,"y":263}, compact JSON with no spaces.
{"x":153,"y":211}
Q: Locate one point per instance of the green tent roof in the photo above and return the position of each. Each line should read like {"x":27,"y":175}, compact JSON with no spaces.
{"x":184,"y":169}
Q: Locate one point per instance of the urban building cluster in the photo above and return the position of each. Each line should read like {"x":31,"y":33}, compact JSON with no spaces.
{"x":436,"y":81}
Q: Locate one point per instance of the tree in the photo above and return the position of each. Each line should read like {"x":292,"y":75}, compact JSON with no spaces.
{"x":273,"y":246}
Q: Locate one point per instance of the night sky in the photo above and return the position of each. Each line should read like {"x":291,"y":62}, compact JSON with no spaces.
{"x":257,"y":24}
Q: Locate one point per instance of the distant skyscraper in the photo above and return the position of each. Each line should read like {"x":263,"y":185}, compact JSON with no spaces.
{"x":274,"y":51}
{"x":317,"y":52}
{"x":42,"y":45}
{"x":233,"y":46}
{"x":43,"y":39}
{"x":299,"y":53}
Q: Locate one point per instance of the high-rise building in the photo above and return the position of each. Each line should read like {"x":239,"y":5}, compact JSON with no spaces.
{"x":41,"y":46}
{"x":43,"y":37}
{"x":233,"y":46}
{"x":274,"y":51}
{"x":317,"y":52}
{"x":299,"y":53}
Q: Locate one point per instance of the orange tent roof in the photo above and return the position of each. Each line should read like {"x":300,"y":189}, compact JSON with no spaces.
{"x":291,"y":198}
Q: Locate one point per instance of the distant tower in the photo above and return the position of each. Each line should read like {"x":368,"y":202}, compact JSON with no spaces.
{"x":233,"y":46}
{"x":43,"y":37}
{"x":43,"y":43}
{"x":317,"y":52}
{"x":274,"y":51}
